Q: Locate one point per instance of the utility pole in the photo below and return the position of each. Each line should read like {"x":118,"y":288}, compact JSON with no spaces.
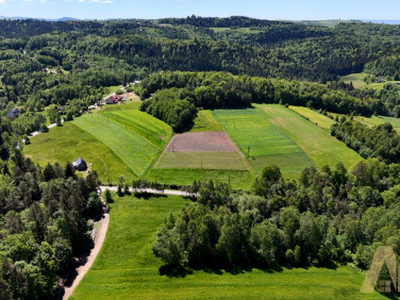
{"x":248,"y":151}
{"x":201,"y":162}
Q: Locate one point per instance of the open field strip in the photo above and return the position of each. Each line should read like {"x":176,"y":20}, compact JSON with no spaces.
{"x":140,"y":123}
{"x":127,"y":269}
{"x":322,"y":148}
{"x":267,"y":145}
{"x":67,"y":143}
{"x":201,"y":160}
{"x":370,"y":121}
{"x":206,"y":121}
{"x":315,"y":117}
{"x":136,"y":152}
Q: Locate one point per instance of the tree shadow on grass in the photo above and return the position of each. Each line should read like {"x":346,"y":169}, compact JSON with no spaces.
{"x":147,"y":196}
{"x":175,"y":270}
{"x":70,"y":274}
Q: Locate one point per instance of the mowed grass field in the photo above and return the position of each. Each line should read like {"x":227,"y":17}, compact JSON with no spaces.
{"x":248,"y":128}
{"x":320,"y":146}
{"x":135,"y":140}
{"x":206,"y":121}
{"x":201,"y":160}
{"x":315,"y":117}
{"x":127,"y":269}
{"x":67,"y":143}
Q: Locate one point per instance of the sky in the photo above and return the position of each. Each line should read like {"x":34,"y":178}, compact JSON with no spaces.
{"x":154,"y":9}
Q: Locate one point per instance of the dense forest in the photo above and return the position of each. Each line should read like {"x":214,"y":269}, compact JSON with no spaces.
{"x":327,"y":218}
{"x":43,"y":223}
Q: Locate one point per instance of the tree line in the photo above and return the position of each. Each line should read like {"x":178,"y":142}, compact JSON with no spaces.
{"x":326,"y":218}
{"x":173,"y":96}
{"x":380,"y":141}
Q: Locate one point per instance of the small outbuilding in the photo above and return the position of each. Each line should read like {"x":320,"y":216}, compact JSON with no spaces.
{"x":13,"y":113}
{"x":80,"y":164}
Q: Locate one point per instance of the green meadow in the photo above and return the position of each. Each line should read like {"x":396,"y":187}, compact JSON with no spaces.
{"x":315,"y":117}
{"x":238,"y":179}
{"x":67,"y":143}
{"x":320,"y":146}
{"x":201,"y":160}
{"x":357,"y":79}
{"x":261,"y":142}
{"x":132,"y":139}
{"x":206,"y":121}
{"x":127,"y":269}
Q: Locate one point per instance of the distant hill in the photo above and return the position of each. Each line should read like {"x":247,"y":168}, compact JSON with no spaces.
{"x":64,"y":19}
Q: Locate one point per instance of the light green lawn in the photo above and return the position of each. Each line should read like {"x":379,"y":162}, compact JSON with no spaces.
{"x":247,"y":127}
{"x":370,"y":122}
{"x":127,"y":269}
{"x":136,"y":152}
{"x":201,"y":160}
{"x":206,"y":121}
{"x":180,"y":176}
{"x":67,"y":143}
{"x":320,"y":146}
{"x":315,"y":117}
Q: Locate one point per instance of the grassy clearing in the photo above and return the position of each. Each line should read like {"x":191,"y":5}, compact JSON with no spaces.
{"x":201,"y":160}
{"x":318,"y":119}
{"x":111,"y":89}
{"x":238,"y":179}
{"x":371,"y":121}
{"x":127,"y":269}
{"x":51,"y":147}
{"x":322,"y":148}
{"x":268,"y":145}
{"x":394,"y":121}
{"x":206,"y":121}
{"x":358,"y":81}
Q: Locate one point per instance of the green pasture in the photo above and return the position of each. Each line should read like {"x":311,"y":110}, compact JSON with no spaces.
{"x":132,"y":139}
{"x":320,"y":146}
{"x":358,"y":81}
{"x":261,"y":142}
{"x":127,"y":269}
{"x":67,"y":143}
{"x":238,"y":179}
{"x":201,"y":160}
{"x":370,"y":121}
{"x":315,"y":117}
{"x":136,"y":152}
{"x":206,"y":121}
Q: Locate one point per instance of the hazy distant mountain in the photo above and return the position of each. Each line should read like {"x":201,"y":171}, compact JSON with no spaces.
{"x":41,"y":19}
{"x":392,"y":22}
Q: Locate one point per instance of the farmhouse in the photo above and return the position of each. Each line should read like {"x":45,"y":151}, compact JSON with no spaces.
{"x":380,"y":80}
{"x":111,"y":100}
{"x":80,"y":164}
